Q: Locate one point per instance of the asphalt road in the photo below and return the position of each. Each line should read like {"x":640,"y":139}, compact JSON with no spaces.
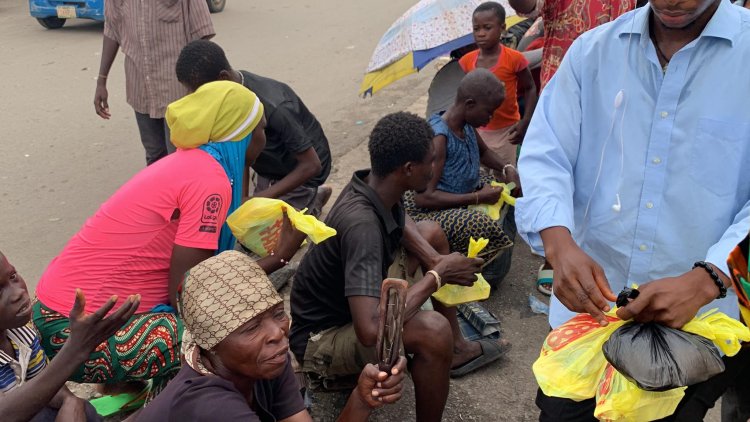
{"x":60,"y":161}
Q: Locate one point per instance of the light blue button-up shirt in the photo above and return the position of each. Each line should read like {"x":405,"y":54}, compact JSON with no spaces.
{"x":675,"y":149}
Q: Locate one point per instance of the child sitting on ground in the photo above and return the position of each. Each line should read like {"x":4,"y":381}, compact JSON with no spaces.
{"x":30,"y":387}
{"x":456,"y":182}
{"x":507,"y":128}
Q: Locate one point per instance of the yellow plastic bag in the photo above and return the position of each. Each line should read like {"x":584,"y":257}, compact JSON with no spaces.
{"x":618,"y":399}
{"x":572,"y":365}
{"x":725,"y":332}
{"x":493,"y":210}
{"x":571,"y":362}
{"x":257,"y":224}
{"x":452,"y":295}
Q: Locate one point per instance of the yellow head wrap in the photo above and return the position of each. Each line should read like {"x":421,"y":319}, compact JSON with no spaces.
{"x":216,"y":112}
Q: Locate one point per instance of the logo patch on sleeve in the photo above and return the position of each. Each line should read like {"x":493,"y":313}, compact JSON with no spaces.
{"x":211,"y":209}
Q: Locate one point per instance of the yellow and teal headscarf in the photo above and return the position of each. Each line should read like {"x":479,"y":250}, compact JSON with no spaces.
{"x":219,"y":118}
{"x":221,"y":111}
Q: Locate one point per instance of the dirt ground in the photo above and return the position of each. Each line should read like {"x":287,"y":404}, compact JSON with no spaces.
{"x":60,"y":161}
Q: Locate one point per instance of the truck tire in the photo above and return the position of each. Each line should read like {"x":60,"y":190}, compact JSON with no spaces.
{"x":216,"y":6}
{"x":52,"y":22}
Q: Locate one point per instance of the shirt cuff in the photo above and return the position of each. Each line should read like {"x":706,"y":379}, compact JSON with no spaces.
{"x":718,"y":254}
{"x":537,"y":214}
{"x":203,"y":32}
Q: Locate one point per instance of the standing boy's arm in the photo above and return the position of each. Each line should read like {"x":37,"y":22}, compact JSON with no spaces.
{"x":528,"y":87}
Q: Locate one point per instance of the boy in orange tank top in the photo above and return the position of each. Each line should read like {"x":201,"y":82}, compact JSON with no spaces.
{"x":507,"y":128}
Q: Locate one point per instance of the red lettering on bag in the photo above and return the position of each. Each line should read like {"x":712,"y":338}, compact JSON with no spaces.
{"x":269,"y":236}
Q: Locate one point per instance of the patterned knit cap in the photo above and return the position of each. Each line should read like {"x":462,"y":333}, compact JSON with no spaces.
{"x":221,"y":294}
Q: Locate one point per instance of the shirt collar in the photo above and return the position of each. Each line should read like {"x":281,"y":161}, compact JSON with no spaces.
{"x":387,"y":216}
{"x":726,"y":23}
{"x":16,"y":340}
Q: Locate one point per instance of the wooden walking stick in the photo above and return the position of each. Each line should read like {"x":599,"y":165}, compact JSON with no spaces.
{"x":391,"y":324}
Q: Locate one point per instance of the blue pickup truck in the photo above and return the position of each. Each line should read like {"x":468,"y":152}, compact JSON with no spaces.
{"x":52,"y":14}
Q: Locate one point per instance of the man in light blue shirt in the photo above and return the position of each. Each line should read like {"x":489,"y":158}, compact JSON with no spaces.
{"x":632,"y":167}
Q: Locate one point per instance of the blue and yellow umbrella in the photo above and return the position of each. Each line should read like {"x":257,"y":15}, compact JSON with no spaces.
{"x":429,"y":29}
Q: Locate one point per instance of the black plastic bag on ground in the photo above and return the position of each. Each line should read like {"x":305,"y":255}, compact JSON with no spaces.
{"x":658,"y":358}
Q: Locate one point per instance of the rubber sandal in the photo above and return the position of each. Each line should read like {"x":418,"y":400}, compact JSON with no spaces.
{"x":121,"y":403}
{"x":491,"y":351}
{"x":544,"y":279}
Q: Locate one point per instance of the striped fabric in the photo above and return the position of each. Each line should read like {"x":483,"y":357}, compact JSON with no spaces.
{"x":28,"y":360}
{"x":151,"y":34}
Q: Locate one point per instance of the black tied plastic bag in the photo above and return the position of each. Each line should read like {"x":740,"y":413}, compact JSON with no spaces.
{"x":658,"y":358}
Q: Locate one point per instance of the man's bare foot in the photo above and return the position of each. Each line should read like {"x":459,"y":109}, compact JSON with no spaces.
{"x":131,"y":387}
{"x":465,"y":352}
{"x":470,"y":350}
{"x":489,"y":351}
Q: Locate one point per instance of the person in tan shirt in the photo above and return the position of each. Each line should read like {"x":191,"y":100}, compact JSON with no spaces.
{"x":151,"y":34}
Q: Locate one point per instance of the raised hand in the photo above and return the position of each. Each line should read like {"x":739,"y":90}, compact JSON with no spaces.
{"x":88,"y":331}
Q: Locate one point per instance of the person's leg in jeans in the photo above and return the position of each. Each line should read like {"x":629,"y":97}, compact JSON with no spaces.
{"x":153,"y":137}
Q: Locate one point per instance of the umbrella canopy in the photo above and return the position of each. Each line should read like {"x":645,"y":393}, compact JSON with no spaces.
{"x":429,"y":29}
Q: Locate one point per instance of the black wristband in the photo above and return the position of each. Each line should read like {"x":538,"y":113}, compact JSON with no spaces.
{"x":714,"y":277}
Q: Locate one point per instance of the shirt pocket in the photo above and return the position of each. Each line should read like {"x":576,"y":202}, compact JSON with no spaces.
{"x":717,"y":154}
{"x":169,"y":10}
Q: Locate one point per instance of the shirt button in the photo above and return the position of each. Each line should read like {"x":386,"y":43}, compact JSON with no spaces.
{"x":649,"y":205}
{"x":656,"y":160}
{"x":664,"y":114}
{"x":643,"y":247}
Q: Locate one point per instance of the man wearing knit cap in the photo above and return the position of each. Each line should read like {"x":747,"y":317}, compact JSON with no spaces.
{"x":237,"y":353}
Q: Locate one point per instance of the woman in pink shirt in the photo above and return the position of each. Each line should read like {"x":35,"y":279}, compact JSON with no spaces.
{"x":158,"y":225}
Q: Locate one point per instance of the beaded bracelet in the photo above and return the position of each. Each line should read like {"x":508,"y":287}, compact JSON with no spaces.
{"x":714,"y":277}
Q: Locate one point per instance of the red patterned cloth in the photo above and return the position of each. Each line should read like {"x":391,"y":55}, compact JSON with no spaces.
{"x":565,"y":20}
